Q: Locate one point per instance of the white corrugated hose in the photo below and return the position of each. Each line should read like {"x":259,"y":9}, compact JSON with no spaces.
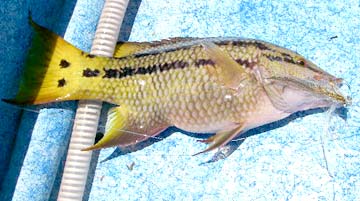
{"x":88,"y":112}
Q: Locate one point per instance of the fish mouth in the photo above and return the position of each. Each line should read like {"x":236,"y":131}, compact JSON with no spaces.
{"x":327,"y":90}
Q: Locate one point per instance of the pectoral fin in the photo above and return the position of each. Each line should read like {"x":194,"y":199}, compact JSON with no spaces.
{"x":123,"y":130}
{"x":229,"y":72}
{"x":221,"y":138}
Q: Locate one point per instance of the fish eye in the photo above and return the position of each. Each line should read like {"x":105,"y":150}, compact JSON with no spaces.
{"x":301,"y":62}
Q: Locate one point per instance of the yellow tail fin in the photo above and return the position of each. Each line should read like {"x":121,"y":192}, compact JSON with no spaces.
{"x":51,"y":69}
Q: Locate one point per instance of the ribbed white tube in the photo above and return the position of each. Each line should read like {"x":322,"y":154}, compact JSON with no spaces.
{"x":108,"y":28}
{"x":87,"y":115}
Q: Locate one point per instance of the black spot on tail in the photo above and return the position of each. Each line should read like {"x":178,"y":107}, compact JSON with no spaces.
{"x":61,"y":82}
{"x":64,"y":63}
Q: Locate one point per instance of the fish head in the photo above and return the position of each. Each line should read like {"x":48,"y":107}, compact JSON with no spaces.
{"x":294,"y":83}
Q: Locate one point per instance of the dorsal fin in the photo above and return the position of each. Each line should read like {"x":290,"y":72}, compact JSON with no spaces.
{"x":175,"y":40}
{"x":124,"y":48}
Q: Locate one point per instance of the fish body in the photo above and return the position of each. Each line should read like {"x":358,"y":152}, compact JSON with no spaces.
{"x":175,"y":87}
{"x":205,"y":85}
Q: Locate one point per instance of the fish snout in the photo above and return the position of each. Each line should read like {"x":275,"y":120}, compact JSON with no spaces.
{"x":337,"y":89}
{"x":321,"y":77}
{"x":342,"y":90}
{"x":345,"y":90}
{"x":338,"y":81}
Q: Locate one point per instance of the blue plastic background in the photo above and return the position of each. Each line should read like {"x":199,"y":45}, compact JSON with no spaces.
{"x":308,"y":158}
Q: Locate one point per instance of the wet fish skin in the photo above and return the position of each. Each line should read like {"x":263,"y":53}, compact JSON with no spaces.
{"x":221,"y":85}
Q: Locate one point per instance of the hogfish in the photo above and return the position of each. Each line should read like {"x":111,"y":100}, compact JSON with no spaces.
{"x":203,"y":85}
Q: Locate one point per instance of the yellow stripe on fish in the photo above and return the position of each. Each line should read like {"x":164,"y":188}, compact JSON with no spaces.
{"x":221,"y":85}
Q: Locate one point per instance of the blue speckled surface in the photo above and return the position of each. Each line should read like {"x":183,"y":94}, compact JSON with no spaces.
{"x":9,"y":64}
{"x":47,"y":146}
{"x":310,"y":158}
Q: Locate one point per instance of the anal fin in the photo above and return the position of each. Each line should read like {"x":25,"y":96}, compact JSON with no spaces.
{"x":122,"y":129}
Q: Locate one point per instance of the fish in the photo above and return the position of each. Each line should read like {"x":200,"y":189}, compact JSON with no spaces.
{"x":221,"y":85}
